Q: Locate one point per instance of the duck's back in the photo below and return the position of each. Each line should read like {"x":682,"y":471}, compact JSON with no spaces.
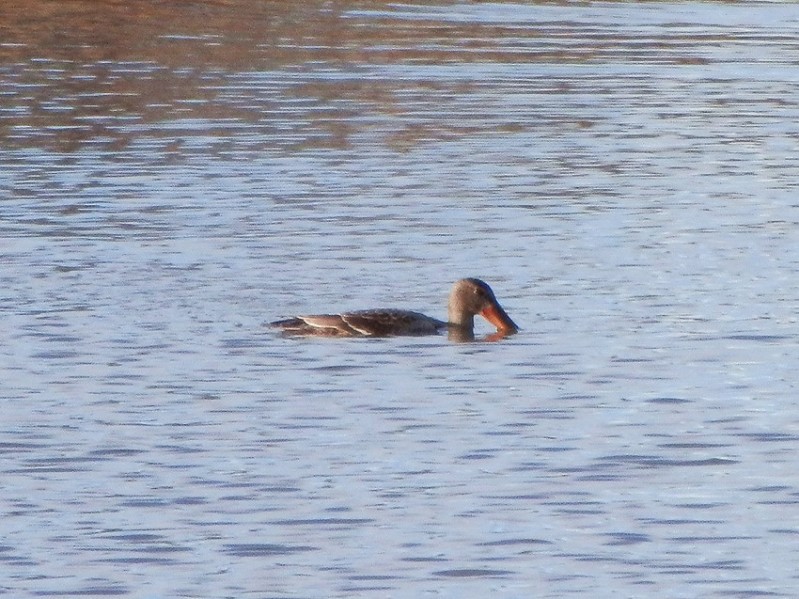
{"x":362,"y":323}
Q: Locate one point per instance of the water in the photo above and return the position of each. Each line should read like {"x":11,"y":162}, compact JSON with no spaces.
{"x":176,"y":175}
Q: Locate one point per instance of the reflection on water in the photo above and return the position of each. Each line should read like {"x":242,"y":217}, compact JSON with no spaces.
{"x":174,"y":175}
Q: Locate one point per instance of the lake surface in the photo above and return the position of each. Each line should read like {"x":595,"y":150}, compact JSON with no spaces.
{"x":175,"y":175}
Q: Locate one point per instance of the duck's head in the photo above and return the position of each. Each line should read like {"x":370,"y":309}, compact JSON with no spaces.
{"x":473,"y":296}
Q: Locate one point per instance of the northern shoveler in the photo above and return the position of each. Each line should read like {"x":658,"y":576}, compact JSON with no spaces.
{"x":467,"y":298}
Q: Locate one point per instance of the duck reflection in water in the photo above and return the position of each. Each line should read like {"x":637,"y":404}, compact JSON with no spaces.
{"x":468,"y":298}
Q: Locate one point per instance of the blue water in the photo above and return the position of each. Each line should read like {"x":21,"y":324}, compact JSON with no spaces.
{"x":623,"y":175}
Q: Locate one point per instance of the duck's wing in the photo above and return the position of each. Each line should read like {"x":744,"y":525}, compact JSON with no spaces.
{"x":324,"y":325}
{"x":386,"y":323}
{"x":362,"y":323}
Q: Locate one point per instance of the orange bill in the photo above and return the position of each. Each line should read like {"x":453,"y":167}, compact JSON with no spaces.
{"x":494,"y":314}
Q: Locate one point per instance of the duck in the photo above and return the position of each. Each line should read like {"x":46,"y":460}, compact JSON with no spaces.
{"x":468,"y":298}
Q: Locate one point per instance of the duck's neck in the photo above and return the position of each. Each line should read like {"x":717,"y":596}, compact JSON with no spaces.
{"x":459,"y":318}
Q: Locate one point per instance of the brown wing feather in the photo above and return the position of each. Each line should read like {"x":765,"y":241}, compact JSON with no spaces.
{"x":363,"y":323}
{"x":383,"y":323}
{"x":328,"y":325}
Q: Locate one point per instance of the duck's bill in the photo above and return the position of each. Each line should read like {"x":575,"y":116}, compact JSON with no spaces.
{"x":499,"y":318}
